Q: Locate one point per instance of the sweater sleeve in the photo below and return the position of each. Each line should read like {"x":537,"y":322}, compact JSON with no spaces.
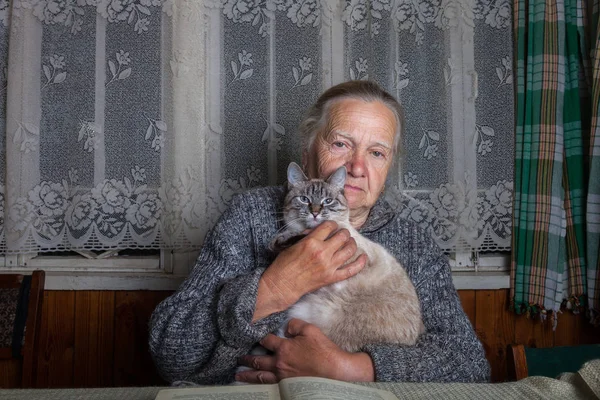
{"x":198,"y":333}
{"x":449,"y":350}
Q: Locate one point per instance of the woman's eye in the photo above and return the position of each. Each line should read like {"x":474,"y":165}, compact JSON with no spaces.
{"x":338,"y":144}
{"x":378,"y":154}
{"x":327,"y":201}
{"x":304,"y":199}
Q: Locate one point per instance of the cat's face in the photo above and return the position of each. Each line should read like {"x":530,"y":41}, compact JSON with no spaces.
{"x":310,"y":202}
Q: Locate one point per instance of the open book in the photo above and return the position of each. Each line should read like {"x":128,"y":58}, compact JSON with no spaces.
{"x":286,"y":389}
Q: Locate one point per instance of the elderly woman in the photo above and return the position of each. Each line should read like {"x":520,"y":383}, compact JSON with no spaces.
{"x":238,"y":292}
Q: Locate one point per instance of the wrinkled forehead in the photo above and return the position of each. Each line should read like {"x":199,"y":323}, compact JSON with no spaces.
{"x":368,"y":122}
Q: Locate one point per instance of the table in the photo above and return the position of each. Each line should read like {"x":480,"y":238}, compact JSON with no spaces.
{"x":585,"y":384}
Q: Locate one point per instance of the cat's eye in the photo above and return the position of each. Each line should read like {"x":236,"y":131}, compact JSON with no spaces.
{"x":327,"y":201}
{"x":304,"y":199}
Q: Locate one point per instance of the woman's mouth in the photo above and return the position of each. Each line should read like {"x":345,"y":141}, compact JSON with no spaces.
{"x":352,"y":188}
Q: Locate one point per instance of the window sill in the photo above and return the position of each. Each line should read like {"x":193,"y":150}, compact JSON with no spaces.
{"x":481,"y":280}
{"x":69,"y":280}
{"x":56,"y":280}
{"x":168,"y":271}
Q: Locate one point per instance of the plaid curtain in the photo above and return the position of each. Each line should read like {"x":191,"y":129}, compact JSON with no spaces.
{"x":593,"y":199}
{"x":554,"y":259}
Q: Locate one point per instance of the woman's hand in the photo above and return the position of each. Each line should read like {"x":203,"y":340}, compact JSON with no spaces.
{"x":306,"y":352}
{"x":315,"y":261}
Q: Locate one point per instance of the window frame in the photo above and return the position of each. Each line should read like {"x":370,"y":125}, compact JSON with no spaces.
{"x":155,"y":272}
{"x":168,"y":270}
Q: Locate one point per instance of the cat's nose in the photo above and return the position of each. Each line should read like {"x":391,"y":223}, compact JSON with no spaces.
{"x":315,"y":210}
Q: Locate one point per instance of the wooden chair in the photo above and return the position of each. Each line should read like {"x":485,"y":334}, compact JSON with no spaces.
{"x":549,"y":361}
{"x":21,"y":299}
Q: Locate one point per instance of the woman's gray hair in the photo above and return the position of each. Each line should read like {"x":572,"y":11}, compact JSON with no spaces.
{"x":316,"y":118}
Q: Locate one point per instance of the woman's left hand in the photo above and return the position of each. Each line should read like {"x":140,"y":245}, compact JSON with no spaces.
{"x":306,"y":352}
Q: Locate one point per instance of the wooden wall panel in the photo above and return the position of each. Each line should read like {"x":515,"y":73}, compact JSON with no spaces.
{"x":567,"y":330}
{"x":587,"y":333}
{"x":133,"y":364}
{"x":94,"y":338}
{"x":57,"y":341}
{"x":533,"y":332}
{"x":100,"y":338}
{"x":467,"y":299}
{"x":10,"y":373}
{"x":485,"y":326}
{"x":505,"y":334}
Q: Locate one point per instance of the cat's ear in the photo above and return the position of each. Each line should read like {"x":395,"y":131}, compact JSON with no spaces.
{"x":295,"y":174}
{"x":338,"y":178}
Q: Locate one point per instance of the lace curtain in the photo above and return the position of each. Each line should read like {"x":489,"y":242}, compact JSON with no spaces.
{"x":132,"y":123}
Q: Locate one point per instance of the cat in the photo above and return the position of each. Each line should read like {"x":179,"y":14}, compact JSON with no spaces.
{"x":378,"y":305}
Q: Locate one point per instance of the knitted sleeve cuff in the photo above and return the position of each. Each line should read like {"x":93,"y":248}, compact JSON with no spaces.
{"x":237,"y":300}
{"x":434,"y":359}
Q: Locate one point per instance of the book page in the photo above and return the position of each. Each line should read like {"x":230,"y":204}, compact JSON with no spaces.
{"x":241,"y":392}
{"x":328,"y":389}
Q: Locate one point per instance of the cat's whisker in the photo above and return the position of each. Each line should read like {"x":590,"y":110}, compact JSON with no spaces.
{"x":285,"y":226}
{"x":283,"y":219}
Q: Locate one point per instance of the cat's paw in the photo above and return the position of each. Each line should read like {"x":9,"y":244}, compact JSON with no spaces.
{"x":276,"y":244}
{"x":282,"y":242}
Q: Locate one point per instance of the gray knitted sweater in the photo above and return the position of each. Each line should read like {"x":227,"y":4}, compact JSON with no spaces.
{"x":198,"y":333}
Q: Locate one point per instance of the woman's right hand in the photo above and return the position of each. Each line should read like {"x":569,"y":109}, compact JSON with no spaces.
{"x":315,"y":261}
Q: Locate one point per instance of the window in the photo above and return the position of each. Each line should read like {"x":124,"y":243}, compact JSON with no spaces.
{"x":134,"y":132}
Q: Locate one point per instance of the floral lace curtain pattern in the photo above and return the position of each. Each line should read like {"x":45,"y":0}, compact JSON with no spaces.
{"x":132,"y":123}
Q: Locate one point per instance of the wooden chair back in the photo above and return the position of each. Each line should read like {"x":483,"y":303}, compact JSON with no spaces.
{"x":27,"y":317}
{"x":516,"y":362}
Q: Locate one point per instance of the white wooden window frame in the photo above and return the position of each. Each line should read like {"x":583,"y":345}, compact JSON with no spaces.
{"x":470,"y":270}
{"x":106,"y":271}
{"x":167,"y":271}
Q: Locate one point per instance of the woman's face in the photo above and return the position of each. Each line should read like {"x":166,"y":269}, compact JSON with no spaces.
{"x":359,"y":135}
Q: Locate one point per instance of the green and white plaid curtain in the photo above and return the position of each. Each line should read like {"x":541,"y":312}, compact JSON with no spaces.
{"x":593,"y":199}
{"x":556,"y":220}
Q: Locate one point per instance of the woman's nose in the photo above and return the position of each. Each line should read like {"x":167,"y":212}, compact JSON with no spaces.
{"x":356,"y":165}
